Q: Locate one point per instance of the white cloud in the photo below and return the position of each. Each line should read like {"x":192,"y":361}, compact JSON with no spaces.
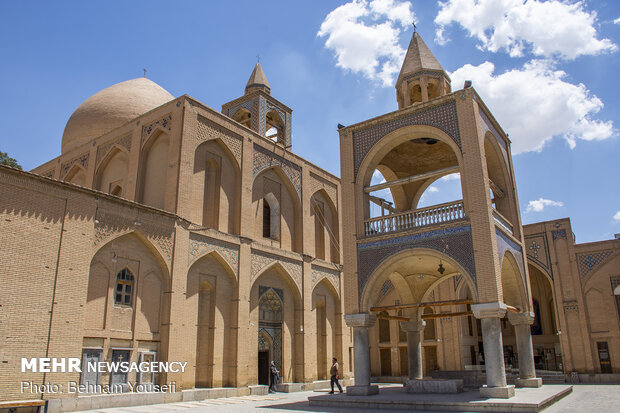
{"x":433,"y":189}
{"x":617,"y":216}
{"x":364,"y":35}
{"x":546,"y":28}
{"x":377,"y":178}
{"x":540,"y":204}
{"x":451,"y":177}
{"x":533,"y":104}
{"x":617,"y":21}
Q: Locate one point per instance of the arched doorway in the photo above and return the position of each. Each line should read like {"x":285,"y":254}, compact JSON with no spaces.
{"x":275,"y":310}
{"x":545,"y":339}
{"x":269,"y":331}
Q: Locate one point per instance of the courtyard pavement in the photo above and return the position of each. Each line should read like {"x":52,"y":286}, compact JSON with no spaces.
{"x":585,"y":398}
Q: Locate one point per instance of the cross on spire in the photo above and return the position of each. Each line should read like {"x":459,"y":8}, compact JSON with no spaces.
{"x":414,"y":27}
{"x":144,"y":72}
{"x":257,"y":58}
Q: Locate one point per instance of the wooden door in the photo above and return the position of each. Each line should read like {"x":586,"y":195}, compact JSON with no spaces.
{"x":430,"y":360}
{"x":386,"y":361}
{"x":263,"y":367}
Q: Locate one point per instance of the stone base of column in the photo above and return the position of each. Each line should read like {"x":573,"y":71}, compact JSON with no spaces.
{"x":498,"y":392}
{"x":533,"y":382}
{"x":362,"y":390}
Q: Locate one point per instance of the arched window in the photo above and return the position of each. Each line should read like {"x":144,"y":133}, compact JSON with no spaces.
{"x":384,"y":329}
{"x":416,"y":94}
{"x":266,"y":219}
{"x":124,"y":287}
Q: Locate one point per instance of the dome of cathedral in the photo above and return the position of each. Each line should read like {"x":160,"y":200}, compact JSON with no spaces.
{"x":111,"y":108}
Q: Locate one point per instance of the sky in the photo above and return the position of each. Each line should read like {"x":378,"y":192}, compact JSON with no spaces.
{"x":546,"y":69}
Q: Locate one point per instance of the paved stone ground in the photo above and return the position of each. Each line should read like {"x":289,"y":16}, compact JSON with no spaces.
{"x":585,"y":398}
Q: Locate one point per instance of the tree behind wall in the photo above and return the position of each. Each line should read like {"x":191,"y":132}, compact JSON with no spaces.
{"x":5,"y":159}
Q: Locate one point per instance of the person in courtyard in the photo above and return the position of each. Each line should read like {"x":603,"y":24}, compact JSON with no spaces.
{"x":273,"y":376}
{"x":334,"y":371}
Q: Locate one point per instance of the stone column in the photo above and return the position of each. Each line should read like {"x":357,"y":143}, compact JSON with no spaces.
{"x":490,"y":315}
{"x":527,"y":369}
{"x":424,"y":88}
{"x":360,"y":324}
{"x":414,"y":347}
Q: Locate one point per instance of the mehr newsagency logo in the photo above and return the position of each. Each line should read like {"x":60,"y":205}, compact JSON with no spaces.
{"x":74,"y":365}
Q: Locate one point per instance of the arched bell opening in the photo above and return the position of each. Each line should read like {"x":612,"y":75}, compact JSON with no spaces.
{"x":244,"y":117}
{"x":274,"y":127}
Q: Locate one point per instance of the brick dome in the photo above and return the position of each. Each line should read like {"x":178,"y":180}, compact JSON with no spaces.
{"x":111,"y":108}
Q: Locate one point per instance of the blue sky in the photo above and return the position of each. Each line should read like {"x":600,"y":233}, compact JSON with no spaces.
{"x":547,"y":70}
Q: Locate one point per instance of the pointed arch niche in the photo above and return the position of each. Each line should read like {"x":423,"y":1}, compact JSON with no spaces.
{"x":326,"y":234}
{"x":111,"y":175}
{"x":76,"y":175}
{"x":275,"y":188}
{"x":216,"y":187}
{"x":210,"y":292}
{"x":327,"y":316}
{"x":141,"y":307}
{"x":154,"y":170}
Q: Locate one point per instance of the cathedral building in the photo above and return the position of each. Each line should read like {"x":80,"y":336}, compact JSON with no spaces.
{"x":169,"y":231}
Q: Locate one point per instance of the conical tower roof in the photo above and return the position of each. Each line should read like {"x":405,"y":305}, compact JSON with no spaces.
{"x":257,"y":80}
{"x":419,"y":57}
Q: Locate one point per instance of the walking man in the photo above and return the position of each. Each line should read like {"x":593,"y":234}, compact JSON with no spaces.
{"x":273,"y":375}
{"x":334,"y":371}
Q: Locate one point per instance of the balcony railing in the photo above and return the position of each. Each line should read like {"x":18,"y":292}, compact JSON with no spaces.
{"x":436,"y":214}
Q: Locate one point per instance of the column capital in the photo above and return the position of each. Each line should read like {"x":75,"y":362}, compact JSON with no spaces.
{"x":526,"y":318}
{"x":360,"y":320}
{"x":489,"y":310}
{"x":417,"y":325}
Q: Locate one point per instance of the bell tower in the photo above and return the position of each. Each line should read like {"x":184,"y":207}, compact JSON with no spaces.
{"x":421,"y":77}
{"x":261,"y":112}
{"x":476,"y":238}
